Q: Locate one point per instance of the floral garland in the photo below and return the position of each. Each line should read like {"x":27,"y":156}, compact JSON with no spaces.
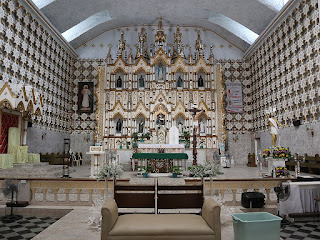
{"x":282,"y":172}
{"x":278,"y":152}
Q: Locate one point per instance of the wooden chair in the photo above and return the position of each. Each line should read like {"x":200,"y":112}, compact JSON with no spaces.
{"x":75,"y":161}
{"x":79,"y":157}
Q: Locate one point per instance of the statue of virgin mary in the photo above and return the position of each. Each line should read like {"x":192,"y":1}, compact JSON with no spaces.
{"x":160,"y":72}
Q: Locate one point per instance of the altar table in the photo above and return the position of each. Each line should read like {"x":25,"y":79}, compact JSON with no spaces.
{"x":301,"y":199}
{"x":274,"y":163}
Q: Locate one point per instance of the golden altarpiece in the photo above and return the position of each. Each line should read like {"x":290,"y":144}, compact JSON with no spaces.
{"x":151,"y":91}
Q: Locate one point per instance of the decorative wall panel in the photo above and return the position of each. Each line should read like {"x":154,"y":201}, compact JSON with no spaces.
{"x":239,"y":71}
{"x":29,"y":55}
{"x":285,"y":69}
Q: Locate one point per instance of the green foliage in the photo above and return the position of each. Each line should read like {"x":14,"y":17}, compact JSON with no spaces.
{"x":206,"y":170}
{"x":176,"y":169}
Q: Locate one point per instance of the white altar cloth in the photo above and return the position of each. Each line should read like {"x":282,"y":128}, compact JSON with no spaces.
{"x":301,"y":199}
{"x":161,"y":146}
{"x":274,"y":163}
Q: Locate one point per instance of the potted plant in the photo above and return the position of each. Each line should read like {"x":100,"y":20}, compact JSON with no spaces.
{"x":135,"y":140}
{"x":128,"y":144}
{"x":176,"y":171}
{"x":110,"y":171}
{"x":147,"y":135}
{"x":142,"y":138}
{"x":186,"y":136}
{"x":120,"y":144}
{"x":145,"y":171}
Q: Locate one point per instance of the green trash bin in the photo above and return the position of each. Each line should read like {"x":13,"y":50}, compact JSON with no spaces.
{"x":256,"y":226}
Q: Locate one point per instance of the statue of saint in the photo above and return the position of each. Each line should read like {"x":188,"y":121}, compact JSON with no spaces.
{"x":141,"y":126}
{"x":274,"y":129}
{"x":160,"y":119}
{"x":160,"y":72}
{"x":179,"y":82}
{"x":180,"y":127}
{"x":200,"y":82}
{"x":141,"y":81}
{"x":119,"y":125}
{"x":119,"y":82}
{"x":202,"y":127}
{"x":85,"y":105}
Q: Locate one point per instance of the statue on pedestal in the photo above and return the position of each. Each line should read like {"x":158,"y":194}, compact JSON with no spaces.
{"x":119,"y":82}
{"x":274,"y":129}
{"x":119,"y":125}
{"x":141,"y":81}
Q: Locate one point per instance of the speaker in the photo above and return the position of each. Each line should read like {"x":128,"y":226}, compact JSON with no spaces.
{"x":252,"y":199}
{"x":29,"y":124}
{"x":296,"y":123}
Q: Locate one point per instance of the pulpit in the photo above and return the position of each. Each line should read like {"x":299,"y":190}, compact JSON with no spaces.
{"x":98,"y":160}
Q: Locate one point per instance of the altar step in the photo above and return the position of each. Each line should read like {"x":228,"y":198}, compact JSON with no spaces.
{"x":34,"y":170}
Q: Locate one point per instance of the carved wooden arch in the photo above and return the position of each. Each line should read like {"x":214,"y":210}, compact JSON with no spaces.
{"x":30,"y":107}
{"x":180,"y":68}
{"x":117,"y":114}
{"x":200,"y":115}
{"x":140,"y":115}
{"x":6,"y":101}
{"x":141,"y":69}
{"x":201,"y":68}
{"x":160,"y":106}
{"x":160,"y":58}
{"x":119,"y":69}
{"x":20,"y":107}
{"x":180,"y":114}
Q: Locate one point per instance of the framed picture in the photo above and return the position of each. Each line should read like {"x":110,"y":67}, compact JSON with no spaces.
{"x":85,"y":97}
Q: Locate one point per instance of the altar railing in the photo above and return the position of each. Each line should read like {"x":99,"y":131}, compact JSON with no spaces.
{"x":82,"y":192}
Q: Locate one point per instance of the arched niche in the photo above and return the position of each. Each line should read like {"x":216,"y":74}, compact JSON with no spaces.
{"x":179,"y":77}
{"x":160,"y":71}
{"x":202,"y":121}
{"x":140,"y":122}
{"x":141,"y":76}
{"x":180,"y":122}
{"x":201,"y":78}
{"x":118,"y":124}
{"x":119,"y":78}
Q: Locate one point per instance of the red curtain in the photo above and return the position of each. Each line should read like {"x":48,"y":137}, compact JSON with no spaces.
{"x":7,"y":121}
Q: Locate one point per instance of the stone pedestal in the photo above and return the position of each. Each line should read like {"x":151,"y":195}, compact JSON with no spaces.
{"x":274,"y":163}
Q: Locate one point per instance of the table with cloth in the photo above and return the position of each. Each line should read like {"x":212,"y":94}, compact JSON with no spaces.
{"x":301,"y":199}
{"x":6,"y":161}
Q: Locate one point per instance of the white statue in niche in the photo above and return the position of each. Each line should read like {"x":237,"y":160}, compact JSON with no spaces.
{"x":161,"y":135}
{"x":85,"y":105}
{"x":160,"y":72}
{"x":202,"y":126}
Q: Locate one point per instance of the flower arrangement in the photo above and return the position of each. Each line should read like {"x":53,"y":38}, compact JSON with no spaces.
{"x":280,"y":152}
{"x":282,"y":172}
{"x":266,"y":153}
{"x":111,"y":171}
{"x":206,"y":170}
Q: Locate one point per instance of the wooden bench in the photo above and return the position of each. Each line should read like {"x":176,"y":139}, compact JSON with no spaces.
{"x":311,"y":164}
{"x":53,"y":158}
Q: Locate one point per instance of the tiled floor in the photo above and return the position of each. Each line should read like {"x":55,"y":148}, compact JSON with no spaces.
{"x":300,"y":230}
{"x":25,"y":228}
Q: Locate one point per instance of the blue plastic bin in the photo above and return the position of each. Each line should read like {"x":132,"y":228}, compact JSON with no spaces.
{"x":256,"y":226}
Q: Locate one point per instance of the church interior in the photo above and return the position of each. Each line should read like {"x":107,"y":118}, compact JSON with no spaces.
{"x":118,"y":117}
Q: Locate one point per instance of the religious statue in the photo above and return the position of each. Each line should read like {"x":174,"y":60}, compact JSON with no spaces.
{"x":85,"y":105}
{"x":200,"y":81}
{"x":179,"y":82}
{"x":119,"y":82}
{"x":202,"y":127}
{"x":141,"y":81}
{"x":161,"y":134}
{"x":180,"y":127}
{"x":141,"y":126}
{"x":119,"y":125}
{"x":160,"y":72}
{"x":160,"y":119}
{"x":274,"y":129}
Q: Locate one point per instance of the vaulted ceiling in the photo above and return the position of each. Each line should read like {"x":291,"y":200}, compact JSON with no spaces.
{"x":238,"y":21}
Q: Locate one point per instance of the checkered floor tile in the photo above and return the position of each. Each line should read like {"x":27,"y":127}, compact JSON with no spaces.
{"x":25,"y":228}
{"x":300,"y":230}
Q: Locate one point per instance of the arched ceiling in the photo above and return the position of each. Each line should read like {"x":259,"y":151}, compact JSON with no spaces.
{"x":238,"y":21}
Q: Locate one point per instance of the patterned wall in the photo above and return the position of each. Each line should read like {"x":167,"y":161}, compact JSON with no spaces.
{"x":285,"y":69}
{"x":85,"y":70}
{"x":30,"y":55}
{"x":239,"y":71}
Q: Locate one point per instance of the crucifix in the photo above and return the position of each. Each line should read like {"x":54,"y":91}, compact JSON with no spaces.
{"x":194,"y":112}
